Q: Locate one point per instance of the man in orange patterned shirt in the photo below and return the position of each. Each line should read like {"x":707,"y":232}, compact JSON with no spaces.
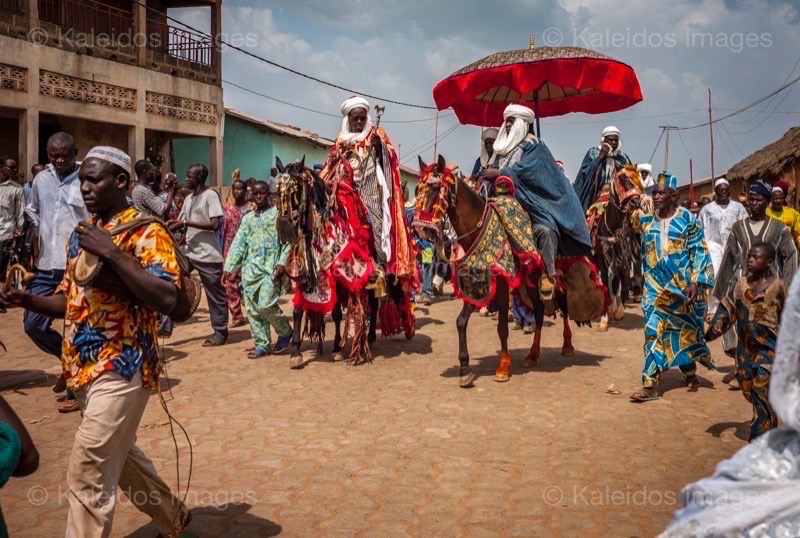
{"x":109,"y":355}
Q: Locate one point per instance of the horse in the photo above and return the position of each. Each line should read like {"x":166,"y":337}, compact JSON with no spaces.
{"x":616,"y":250}
{"x":443,"y":194}
{"x":305,"y":224}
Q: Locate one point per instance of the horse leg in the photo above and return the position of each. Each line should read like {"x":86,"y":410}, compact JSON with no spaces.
{"x":465,"y":373}
{"x":618,"y":311}
{"x":296,"y":356}
{"x":373,"y":317}
{"x":337,"y":354}
{"x":538,"y":318}
{"x":566,"y":349}
{"x":503,"y":372}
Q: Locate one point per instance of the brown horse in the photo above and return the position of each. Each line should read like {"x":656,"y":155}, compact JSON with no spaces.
{"x":444,"y":194}
{"x":614,"y":239}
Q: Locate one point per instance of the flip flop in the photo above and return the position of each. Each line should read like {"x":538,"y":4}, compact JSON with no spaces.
{"x":257,"y":354}
{"x":641,"y":396}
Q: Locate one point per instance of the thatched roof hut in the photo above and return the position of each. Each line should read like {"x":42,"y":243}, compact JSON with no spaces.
{"x":779,"y":160}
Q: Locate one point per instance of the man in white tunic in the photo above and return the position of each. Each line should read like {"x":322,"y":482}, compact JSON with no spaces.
{"x":717,"y":219}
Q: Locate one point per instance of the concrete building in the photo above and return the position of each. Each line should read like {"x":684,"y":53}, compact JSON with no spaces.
{"x":114,"y":73}
{"x":251,"y":145}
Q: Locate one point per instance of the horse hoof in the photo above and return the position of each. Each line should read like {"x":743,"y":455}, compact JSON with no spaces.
{"x":529,"y":362}
{"x":467,"y":380}
{"x":619,"y":313}
{"x":296,"y":363}
{"x":603,"y":327}
{"x":338,"y":357}
{"x":502,"y":378}
{"x":567,"y":352}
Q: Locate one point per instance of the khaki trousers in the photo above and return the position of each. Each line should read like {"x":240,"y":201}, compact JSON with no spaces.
{"x":105,"y":455}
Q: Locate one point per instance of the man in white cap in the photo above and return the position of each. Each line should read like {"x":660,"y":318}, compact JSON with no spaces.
{"x":363,"y":171}
{"x":110,"y":357}
{"x":543,"y":191}
{"x":599,"y":166}
{"x":717,"y":219}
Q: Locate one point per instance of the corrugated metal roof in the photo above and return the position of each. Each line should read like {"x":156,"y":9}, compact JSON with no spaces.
{"x":279,"y":128}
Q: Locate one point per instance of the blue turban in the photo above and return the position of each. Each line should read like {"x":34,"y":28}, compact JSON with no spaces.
{"x":318,"y":167}
{"x":668,"y":180}
{"x":761,"y":187}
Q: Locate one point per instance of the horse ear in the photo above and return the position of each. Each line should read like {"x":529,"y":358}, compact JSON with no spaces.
{"x":303,"y":162}
{"x":442,"y":164}
{"x":422,"y":165}
{"x":279,"y":165}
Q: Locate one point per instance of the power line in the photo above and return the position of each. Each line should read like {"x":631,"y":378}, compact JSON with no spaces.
{"x":217,"y":40}
{"x":656,"y":148}
{"x":729,"y":136}
{"x":248,"y":90}
{"x":431,"y":144}
{"x":680,"y":136}
{"x":748,"y":107}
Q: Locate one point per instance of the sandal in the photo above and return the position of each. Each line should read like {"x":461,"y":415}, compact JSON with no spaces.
{"x":644,"y":395}
{"x":216,"y":340}
{"x":237,"y":323}
{"x":257,"y":354}
{"x":68,"y":406}
{"x":281,"y":344}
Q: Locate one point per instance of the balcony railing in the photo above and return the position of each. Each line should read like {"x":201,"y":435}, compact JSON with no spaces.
{"x":179,"y":43}
{"x":12,"y":5}
{"x":87,"y":16}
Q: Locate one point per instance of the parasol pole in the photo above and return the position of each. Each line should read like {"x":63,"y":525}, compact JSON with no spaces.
{"x":711,"y":129}
{"x":435,"y":135}
{"x":536,"y":110}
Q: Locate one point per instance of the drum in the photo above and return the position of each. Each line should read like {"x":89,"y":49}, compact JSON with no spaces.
{"x":89,"y":270}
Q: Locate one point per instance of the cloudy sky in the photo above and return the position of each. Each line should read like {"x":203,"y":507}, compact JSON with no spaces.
{"x":741,"y":49}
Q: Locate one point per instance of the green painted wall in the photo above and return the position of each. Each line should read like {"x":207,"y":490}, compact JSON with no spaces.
{"x":248,"y":148}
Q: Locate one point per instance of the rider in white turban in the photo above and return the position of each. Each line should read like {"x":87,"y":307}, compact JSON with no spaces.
{"x":543,"y":191}
{"x":599,"y":166}
{"x":509,"y":139}
{"x":646,"y":173}
{"x":346,"y":134}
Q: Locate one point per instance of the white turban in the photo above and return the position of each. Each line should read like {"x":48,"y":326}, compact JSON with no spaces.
{"x":519,"y":111}
{"x":523,"y":118}
{"x":490,"y":133}
{"x":111,"y":155}
{"x":646,"y":168}
{"x":610,"y":130}
{"x":347,"y":136}
{"x":721,"y":181}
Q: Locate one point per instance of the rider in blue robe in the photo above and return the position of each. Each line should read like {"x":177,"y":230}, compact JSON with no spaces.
{"x":599,"y":166}
{"x":542,"y":189}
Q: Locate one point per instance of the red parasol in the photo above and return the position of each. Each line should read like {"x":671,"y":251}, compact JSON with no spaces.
{"x":554,"y":80}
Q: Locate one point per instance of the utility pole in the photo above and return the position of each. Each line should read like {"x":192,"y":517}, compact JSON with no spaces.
{"x":436,"y":136}
{"x":667,"y":128}
{"x":711,"y":129}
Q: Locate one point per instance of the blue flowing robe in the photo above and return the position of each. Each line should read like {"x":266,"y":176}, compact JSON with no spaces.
{"x":585,"y":182}
{"x":546,"y":195}
{"x":674,"y":330}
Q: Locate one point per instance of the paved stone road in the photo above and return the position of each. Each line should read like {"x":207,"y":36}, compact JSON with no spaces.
{"x":396,"y":448}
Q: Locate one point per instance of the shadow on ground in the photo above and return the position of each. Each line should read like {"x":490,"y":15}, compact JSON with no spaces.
{"x":740,"y":429}
{"x":228,"y":520}
{"x":550,"y":361}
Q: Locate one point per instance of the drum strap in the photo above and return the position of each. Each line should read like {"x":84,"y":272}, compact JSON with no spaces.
{"x":144,"y":220}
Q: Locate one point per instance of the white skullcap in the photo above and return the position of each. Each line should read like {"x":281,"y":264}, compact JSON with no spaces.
{"x":111,"y":155}
{"x":776,"y":189}
{"x":646,"y":167}
{"x":354,"y":103}
{"x":519,"y":111}
{"x":490,"y":133}
{"x":610,"y":130}
{"x":721,"y":181}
